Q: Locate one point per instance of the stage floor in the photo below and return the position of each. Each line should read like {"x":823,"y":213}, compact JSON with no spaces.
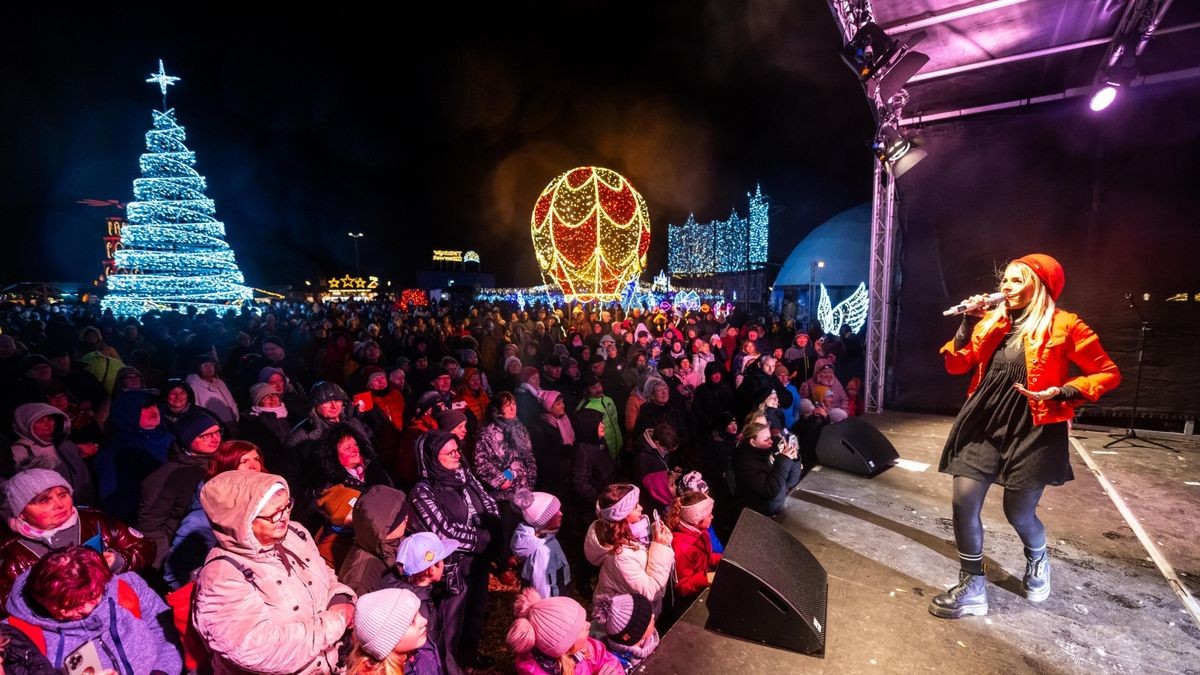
{"x":887,"y":545}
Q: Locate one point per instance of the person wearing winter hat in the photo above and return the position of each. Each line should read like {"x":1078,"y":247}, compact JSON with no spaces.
{"x":454,"y":421}
{"x":629,"y":625}
{"x":535,"y":542}
{"x":41,"y":517}
{"x":550,"y":635}
{"x":379,"y":402}
{"x":330,"y":408}
{"x":167,"y":493}
{"x":391,"y":636}
{"x":1013,"y":428}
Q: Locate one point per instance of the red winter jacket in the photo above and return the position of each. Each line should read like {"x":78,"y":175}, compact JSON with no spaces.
{"x":694,"y":559}
{"x":1046,"y":363}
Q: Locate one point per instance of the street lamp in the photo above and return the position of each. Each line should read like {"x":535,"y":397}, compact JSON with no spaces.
{"x":812,"y":290}
{"x":356,"y":236}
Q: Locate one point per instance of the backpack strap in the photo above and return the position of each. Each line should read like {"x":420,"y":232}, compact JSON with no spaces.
{"x":35,"y":633}
{"x":246,"y":572}
{"x":128,"y":598}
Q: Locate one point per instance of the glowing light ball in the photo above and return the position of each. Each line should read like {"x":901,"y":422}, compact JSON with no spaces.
{"x":591,"y":231}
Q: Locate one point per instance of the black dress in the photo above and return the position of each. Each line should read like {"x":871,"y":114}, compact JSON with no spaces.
{"x":994,"y":439}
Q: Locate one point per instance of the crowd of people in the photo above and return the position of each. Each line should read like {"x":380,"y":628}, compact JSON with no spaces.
{"x":316,"y":488}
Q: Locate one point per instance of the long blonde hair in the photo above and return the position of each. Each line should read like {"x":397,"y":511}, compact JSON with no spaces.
{"x":362,"y":663}
{"x":1033,"y":325}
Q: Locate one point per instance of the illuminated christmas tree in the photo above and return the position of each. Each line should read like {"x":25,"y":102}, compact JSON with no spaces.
{"x":174,"y":253}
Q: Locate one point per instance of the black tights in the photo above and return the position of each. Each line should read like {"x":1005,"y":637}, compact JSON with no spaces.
{"x":1020,"y":507}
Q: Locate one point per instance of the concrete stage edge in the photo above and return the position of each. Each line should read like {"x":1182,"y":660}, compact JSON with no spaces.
{"x":887,"y":545}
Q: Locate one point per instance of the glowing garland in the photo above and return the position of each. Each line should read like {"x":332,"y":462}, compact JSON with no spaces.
{"x":591,"y":231}
{"x":852,"y":311}
{"x":174,"y":252}
{"x":732,"y":245}
{"x":414,"y":297}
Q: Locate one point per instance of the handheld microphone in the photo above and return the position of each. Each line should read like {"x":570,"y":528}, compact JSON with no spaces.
{"x":964,"y":307}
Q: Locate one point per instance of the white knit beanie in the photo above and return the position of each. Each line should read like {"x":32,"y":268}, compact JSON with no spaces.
{"x":382,"y":618}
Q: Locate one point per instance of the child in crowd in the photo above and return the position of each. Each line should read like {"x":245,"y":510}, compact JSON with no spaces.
{"x":420,"y":562}
{"x":628,"y":623}
{"x":390,"y":636}
{"x":550,"y":636}
{"x":633,"y":555}
{"x":535,"y":542}
{"x":689,"y":518}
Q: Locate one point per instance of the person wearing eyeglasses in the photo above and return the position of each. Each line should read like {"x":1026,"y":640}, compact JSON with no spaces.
{"x":167,"y":492}
{"x":452,"y":503}
{"x":265,"y":601}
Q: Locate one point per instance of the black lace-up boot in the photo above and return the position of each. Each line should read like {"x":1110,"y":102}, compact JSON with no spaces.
{"x":968,"y":597}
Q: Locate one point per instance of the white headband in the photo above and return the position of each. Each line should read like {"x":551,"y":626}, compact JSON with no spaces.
{"x":694,"y":513}
{"x":621,"y":510}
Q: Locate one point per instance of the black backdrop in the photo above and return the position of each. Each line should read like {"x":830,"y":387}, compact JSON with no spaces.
{"x":1114,"y":197}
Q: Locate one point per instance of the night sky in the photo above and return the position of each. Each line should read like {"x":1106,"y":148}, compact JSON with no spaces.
{"x":426,"y":131}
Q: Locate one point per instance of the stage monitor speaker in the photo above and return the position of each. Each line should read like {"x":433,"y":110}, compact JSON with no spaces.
{"x":853,"y":445}
{"x":768,"y":588}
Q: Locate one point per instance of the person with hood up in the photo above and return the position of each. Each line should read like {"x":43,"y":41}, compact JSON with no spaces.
{"x":177,"y":398}
{"x":348,"y":467}
{"x":265,"y":601}
{"x":42,"y":518}
{"x":450,"y":502}
{"x":138,"y":444}
{"x":71,"y":597}
{"x":553,"y":438}
{"x":634,"y":556}
{"x":211,"y":391}
{"x":380,"y":522}
{"x":41,"y":441}
{"x":331,"y":407}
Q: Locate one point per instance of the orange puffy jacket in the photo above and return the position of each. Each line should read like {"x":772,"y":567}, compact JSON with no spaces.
{"x":1046,"y":362}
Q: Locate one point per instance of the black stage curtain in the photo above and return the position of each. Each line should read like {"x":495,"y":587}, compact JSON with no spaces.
{"x":1114,"y":197}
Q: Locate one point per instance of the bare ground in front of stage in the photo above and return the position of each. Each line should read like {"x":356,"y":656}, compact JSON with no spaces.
{"x":887,"y":545}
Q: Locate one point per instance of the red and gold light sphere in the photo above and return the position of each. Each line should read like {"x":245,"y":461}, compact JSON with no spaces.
{"x":591,"y":231}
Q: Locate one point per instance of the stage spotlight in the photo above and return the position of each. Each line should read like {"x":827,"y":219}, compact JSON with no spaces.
{"x":1103,"y":97}
{"x":898,"y":151}
{"x":883,"y":64}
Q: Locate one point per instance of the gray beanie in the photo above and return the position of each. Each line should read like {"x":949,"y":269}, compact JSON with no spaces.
{"x":260,"y":391}
{"x":24,"y":486}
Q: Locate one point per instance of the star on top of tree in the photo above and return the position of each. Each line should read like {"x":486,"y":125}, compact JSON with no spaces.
{"x":162,"y":79}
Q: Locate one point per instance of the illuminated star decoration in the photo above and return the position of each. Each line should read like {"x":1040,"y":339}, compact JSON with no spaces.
{"x":163,"y":79}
